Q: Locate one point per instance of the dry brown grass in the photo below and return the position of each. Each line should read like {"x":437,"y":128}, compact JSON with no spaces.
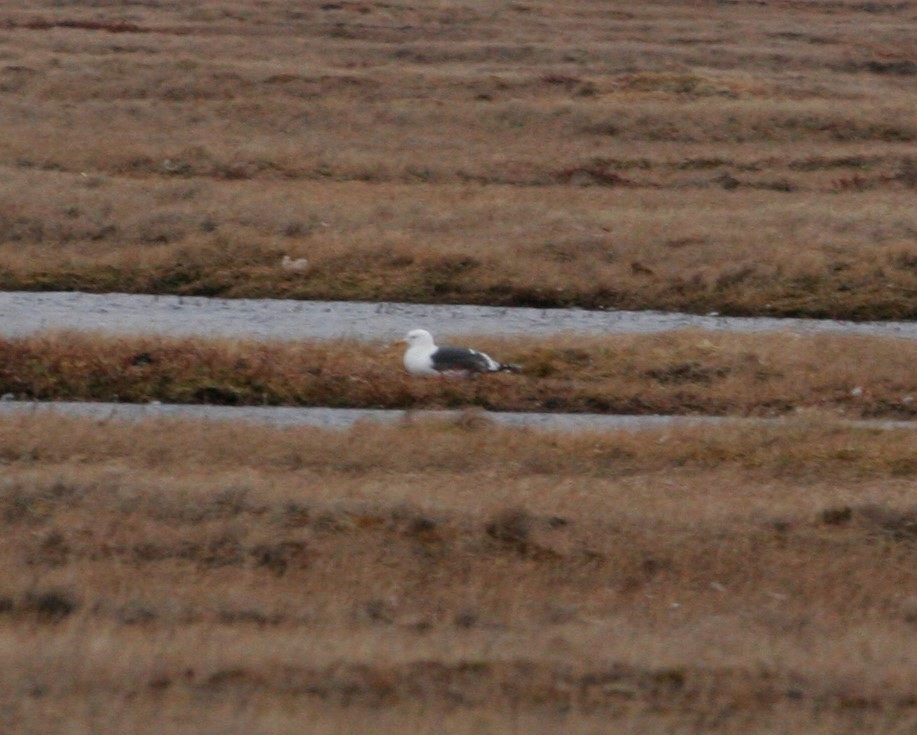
{"x":688,"y":372}
{"x":459,"y":577}
{"x":439,"y":577}
{"x":711,"y":156}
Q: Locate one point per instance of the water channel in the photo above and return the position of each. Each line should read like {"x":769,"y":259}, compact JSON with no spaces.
{"x":23,"y":313}
{"x":341,"y":418}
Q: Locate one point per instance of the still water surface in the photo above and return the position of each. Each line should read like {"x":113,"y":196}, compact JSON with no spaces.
{"x":340,"y":418}
{"x":24,"y":313}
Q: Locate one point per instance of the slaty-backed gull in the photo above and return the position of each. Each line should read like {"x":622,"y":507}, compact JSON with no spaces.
{"x":424,"y":357}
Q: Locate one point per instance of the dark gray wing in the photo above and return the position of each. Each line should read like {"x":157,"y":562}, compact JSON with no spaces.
{"x":459,"y":358}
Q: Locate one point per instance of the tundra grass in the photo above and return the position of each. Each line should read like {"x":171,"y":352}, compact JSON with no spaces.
{"x":455,"y":576}
{"x":703,"y":157}
{"x":687,"y":372}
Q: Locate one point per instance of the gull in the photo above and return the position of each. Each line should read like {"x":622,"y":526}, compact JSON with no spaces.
{"x":424,"y":357}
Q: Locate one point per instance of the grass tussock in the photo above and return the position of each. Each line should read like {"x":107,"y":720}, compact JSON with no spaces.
{"x":654,"y":157}
{"x":428,"y":570}
{"x":679,"y":373}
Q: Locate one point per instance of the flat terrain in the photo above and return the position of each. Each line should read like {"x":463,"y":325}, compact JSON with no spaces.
{"x":685,"y":372}
{"x":736,"y":157}
{"x":455,"y":577}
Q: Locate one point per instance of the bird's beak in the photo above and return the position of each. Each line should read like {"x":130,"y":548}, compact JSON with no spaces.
{"x":399,"y":342}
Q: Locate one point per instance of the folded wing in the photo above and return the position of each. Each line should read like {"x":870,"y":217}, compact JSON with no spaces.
{"x":446,"y":359}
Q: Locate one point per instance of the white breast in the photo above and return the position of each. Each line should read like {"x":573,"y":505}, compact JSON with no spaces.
{"x":417,"y":361}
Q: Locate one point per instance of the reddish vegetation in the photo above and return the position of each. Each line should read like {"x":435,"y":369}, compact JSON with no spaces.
{"x":743,"y":158}
{"x":462,"y":571}
{"x":679,"y":373}
{"x":545,"y":155}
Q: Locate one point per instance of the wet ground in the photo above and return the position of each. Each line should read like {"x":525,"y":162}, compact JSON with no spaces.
{"x":25,"y":313}
{"x":337,"y":418}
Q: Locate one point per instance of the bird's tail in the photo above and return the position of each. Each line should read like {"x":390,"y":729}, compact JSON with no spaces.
{"x":508,"y":368}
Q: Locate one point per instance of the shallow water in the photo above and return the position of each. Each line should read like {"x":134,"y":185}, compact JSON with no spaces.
{"x":126,"y":314}
{"x":339,"y":418}
{"x":24,"y":313}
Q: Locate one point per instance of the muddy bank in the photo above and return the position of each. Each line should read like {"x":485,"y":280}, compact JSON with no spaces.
{"x":24,"y":313}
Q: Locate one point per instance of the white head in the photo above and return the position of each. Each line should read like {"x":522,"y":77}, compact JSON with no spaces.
{"x":419,"y":338}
